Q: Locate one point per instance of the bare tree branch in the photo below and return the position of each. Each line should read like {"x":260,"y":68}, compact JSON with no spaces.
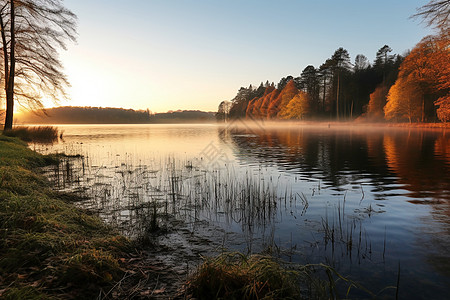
{"x":435,"y":13}
{"x":32,"y":31}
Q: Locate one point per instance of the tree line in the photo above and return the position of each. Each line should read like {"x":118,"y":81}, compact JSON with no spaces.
{"x":110,"y":115}
{"x":413,"y":87}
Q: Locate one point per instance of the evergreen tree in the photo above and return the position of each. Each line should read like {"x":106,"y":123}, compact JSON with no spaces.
{"x":341,"y":67}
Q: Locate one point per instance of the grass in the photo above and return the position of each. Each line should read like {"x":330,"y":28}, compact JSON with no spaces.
{"x":48,"y":248}
{"x":233,"y":275}
{"x":37,"y":134}
{"x":236,"y":276}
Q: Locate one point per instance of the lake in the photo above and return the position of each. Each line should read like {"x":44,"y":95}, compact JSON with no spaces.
{"x":372,"y":202}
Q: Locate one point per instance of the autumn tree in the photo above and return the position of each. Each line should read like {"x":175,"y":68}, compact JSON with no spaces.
{"x":269,"y":96}
{"x":437,"y":13}
{"x":283,"y":98}
{"x":32,"y":32}
{"x":428,"y":68}
{"x":375,"y":108}
{"x":403,"y":101}
{"x":424,"y":79}
{"x":297,"y":108}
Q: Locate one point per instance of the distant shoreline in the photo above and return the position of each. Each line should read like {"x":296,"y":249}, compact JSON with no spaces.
{"x":256,"y":122}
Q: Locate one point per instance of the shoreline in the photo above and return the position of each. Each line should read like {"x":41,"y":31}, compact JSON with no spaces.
{"x":264,"y":122}
{"x":52,"y":249}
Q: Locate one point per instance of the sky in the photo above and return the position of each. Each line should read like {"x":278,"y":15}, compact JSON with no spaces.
{"x":192,"y":54}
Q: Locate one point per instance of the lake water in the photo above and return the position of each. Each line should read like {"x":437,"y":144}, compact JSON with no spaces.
{"x":368,"y":201}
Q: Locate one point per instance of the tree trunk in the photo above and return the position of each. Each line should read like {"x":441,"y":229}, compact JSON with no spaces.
{"x":423,"y":108}
{"x":9,"y":113}
{"x":324,"y":92}
{"x":9,"y":84}
{"x":351,"y":111}
{"x":337,"y":98}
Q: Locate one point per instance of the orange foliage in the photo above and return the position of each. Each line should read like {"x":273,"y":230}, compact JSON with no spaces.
{"x":428,"y":68}
{"x":269,"y":105}
{"x":250,"y":106}
{"x":443,"y":112}
{"x":403,"y":101}
{"x":377,"y":102}
{"x":255,"y":108}
{"x":289,"y":91}
{"x":269,"y":96}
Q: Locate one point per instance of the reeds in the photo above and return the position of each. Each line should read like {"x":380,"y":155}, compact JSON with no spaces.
{"x":139,"y":198}
{"x":35,"y":134}
{"x":142,"y":199}
{"x":345,"y":233}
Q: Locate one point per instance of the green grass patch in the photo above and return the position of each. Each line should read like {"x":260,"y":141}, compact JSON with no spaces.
{"x":48,"y":247}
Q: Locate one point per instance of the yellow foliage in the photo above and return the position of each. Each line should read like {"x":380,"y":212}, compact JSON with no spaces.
{"x":404,"y":101}
{"x":297,"y":107}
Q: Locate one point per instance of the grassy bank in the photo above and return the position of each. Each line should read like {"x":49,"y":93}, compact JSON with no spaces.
{"x":49,"y":248}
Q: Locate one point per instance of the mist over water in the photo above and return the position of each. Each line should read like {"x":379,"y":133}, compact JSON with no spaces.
{"x":359,"y":198}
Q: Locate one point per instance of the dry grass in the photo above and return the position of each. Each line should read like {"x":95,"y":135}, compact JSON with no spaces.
{"x":38,"y":134}
{"x":236,"y":276}
{"x":48,"y":248}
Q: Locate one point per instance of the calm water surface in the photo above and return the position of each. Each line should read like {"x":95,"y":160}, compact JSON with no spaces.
{"x":368,"y":201}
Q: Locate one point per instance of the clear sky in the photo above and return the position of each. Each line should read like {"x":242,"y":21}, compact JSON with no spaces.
{"x":192,"y":54}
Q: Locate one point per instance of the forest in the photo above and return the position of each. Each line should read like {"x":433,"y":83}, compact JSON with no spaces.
{"x":110,"y":115}
{"x":413,"y":87}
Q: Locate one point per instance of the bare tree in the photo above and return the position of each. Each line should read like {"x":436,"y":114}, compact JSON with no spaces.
{"x":32,"y":31}
{"x":435,"y":13}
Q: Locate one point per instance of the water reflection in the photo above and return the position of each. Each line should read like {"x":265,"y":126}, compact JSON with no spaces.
{"x":415,"y":160}
{"x":397,"y":165}
{"x":359,"y":199}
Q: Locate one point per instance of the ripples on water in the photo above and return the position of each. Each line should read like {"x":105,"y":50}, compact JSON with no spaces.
{"x":359,"y":199}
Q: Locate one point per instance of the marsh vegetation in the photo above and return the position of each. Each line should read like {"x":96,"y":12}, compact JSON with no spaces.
{"x":302,"y":196}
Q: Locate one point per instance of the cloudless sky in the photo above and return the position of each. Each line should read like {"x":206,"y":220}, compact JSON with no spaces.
{"x":192,"y":54}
